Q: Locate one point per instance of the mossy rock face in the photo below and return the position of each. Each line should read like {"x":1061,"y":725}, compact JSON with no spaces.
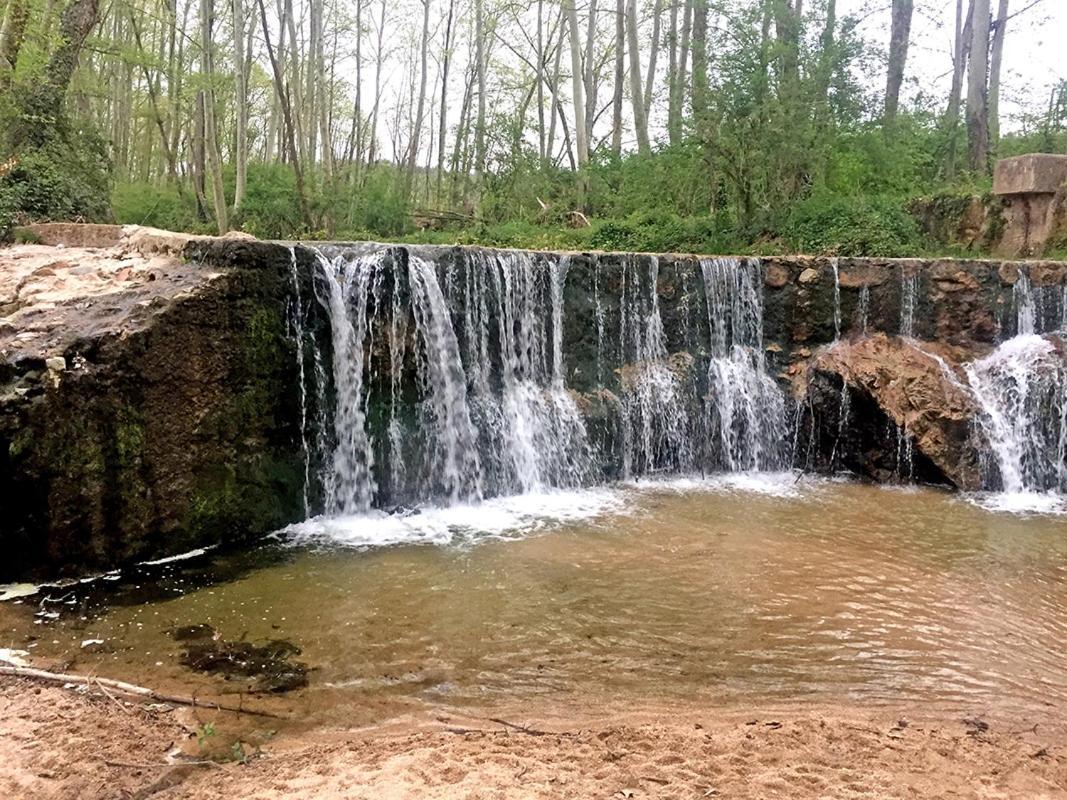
{"x":180,"y":435}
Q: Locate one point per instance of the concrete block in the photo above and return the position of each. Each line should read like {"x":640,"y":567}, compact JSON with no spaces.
{"x":1035,"y":173}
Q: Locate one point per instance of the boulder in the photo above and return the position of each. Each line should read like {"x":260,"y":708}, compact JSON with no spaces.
{"x":889,"y":385}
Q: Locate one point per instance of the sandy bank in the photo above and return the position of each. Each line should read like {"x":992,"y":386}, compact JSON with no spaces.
{"x":56,"y":743}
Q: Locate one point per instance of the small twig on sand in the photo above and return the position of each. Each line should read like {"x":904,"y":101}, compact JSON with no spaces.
{"x":111,"y":697}
{"x":160,"y":765}
{"x":126,"y":688}
{"x":528,"y":730}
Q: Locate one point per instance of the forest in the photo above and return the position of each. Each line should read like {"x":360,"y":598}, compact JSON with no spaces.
{"x":687,"y":125}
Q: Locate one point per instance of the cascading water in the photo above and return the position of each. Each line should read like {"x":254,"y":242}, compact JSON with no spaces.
{"x":656,"y":421}
{"x":1021,"y":389}
{"x":455,"y":463}
{"x":451,"y":382}
{"x":863,"y":308}
{"x":531,"y":428}
{"x":745,"y":408}
{"x":909,"y":290}
{"x":342,"y":287}
{"x":299,"y":333}
{"x":837,"y":298}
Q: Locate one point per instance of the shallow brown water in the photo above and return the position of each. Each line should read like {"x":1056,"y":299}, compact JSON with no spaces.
{"x":838,"y":593}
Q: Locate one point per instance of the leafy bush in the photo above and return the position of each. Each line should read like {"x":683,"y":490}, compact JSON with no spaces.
{"x":663,"y":232}
{"x":271,"y":206}
{"x":853,"y":226}
{"x":57,"y":182}
{"x":155,"y":206}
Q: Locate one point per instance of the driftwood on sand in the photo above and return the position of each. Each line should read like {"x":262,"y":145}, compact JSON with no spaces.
{"x":122,"y":687}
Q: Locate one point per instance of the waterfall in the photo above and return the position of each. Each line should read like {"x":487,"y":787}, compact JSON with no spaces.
{"x":909,"y":289}
{"x":1021,"y":390}
{"x":745,"y":408}
{"x":656,"y":416}
{"x":864,"y":307}
{"x":531,"y":427}
{"x":296,"y":323}
{"x":449,"y":377}
{"x":456,"y":467}
{"x":837,"y":299}
{"x":350,"y":485}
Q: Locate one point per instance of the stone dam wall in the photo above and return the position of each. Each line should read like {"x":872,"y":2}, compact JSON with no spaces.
{"x":178,"y":392}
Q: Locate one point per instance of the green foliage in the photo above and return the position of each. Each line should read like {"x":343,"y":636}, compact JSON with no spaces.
{"x":856,"y":226}
{"x":205,"y":732}
{"x":155,"y":206}
{"x":663,"y":232}
{"x":380,"y":205}
{"x":57,"y":182}
{"x":271,"y":207}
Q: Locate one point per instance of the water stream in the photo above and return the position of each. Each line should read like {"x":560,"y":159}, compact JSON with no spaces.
{"x":1021,"y":390}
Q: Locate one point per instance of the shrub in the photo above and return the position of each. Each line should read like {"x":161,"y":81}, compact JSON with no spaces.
{"x":852,"y":226}
{"x":156,"y":206}
{"x":55,"y":182}
{"x":271,"y":205}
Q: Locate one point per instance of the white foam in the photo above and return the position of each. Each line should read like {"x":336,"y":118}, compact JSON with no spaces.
{"x":500,"y":517}
{"x":771,"y":484}
{"x":13,"y":591}
{"x":1020,"y":502}
{"x":179,"y":557}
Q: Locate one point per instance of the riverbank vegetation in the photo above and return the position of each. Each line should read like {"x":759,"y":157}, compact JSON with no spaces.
{"x":696,"y":125}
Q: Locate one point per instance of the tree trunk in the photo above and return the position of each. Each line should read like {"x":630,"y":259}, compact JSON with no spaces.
{"x":211,"y":137}
{"x":199,"y":165}
{"x":996,"y":58}
{"x":620,"y":77}
{"x":413,"y":141}
{"x":78,"y":20}
{"x":898,"y":56}
{"x":960,"y":51}
{"x":650,"y":80}
{"x":241,"y":94}
{"x":590,"y":74}
{"x":479,"y":125}
{"x":674,"y":122}
{"x":640,"y":121}
{"x":443,"y":124}
{"x":18,"y":14}
{"x":977,"y":97}
{"x":287,"y":118}
{"x":540,"y":77}
{"x":826,"y":63}
{"x":700,"y":64}
{"x":576,"y":83}
{"x":787,"y":17}
{"x":379,"y":57}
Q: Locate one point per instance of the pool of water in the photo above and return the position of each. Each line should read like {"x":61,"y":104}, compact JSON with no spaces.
{"x":730,"y":592}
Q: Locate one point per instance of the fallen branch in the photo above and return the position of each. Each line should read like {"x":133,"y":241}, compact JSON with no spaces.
{"x":161,"y":765}
{"x":127,"y":688}
{"x":528,"y":730}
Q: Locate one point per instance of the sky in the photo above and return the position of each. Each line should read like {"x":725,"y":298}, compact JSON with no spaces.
{"x":1034,"y":49}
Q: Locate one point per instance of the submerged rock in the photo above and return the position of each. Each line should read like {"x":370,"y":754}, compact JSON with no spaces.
{"x":853,"y":389}
{"x":266,"y":667}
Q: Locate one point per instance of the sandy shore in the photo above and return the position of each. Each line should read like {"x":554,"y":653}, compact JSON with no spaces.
{"x":58,"y":743}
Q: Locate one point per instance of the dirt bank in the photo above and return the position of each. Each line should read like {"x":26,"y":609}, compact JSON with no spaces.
{"x":56,"y":743}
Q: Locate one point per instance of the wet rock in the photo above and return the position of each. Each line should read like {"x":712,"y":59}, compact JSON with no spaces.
{"x":913,"y":386}
{"x":169,"y":425}
{"x":775,"y":276}
{"x":809,"y":275}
